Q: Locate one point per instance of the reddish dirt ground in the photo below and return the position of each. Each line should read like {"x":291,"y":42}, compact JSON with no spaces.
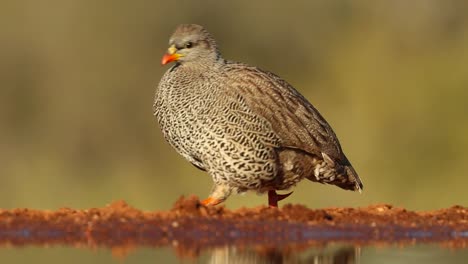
{"x":190,"y":226}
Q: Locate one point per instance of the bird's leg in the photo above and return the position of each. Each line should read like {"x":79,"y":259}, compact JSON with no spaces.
{"x":274,"y":198}
{"x":219,"y":193}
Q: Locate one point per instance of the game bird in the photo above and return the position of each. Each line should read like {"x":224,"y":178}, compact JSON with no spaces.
{"x":246,"y":127}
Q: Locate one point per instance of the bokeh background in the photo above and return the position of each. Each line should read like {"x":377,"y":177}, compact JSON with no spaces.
{"x":77,"y":80}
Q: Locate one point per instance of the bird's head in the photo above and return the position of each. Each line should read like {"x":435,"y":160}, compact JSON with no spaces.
{"x":191,"y":43}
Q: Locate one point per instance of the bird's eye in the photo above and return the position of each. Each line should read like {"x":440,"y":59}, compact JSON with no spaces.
{"x":188,"y":45}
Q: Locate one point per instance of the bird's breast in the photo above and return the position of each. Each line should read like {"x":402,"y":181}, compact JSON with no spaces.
{"x":183,"y":109}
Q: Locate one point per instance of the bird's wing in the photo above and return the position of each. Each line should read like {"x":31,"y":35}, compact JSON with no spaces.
{"x":294,"y":120}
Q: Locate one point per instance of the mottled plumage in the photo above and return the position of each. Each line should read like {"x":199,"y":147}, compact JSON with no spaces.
{"x":248,"y":128}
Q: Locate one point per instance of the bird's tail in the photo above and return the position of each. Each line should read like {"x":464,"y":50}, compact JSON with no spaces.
{"x":353,"y":176}
{"x":339,"y":173}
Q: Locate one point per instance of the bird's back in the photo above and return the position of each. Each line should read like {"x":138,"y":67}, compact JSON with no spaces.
{"x":308,"y":145}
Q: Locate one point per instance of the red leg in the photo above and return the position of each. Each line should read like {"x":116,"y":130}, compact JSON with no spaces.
{"x":274,"y":198}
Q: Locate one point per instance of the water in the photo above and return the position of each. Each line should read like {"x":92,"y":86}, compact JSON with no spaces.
{"x":317,"y":254}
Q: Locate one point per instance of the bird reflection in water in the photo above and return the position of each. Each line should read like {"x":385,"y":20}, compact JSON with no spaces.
{"x":327,"y":255}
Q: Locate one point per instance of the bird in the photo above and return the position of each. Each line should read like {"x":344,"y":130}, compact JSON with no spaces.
{"x":248,"y":128}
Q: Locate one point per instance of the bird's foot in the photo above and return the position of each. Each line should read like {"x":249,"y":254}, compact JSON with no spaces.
{"x":274,"y":198}
{"x":211,"y":201}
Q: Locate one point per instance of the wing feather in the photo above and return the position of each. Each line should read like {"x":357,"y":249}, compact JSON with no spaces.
{"x":293,"y":119}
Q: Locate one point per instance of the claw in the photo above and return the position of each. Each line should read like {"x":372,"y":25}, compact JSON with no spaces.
{"x":283,"y":196}
{"x":210,"y":201}
{"x":274,"y":198}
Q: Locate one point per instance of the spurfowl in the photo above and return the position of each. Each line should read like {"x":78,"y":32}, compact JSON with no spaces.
{"x":248,"y":128}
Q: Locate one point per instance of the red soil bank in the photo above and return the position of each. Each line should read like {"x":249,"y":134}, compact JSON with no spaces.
{"x":192,"y":226}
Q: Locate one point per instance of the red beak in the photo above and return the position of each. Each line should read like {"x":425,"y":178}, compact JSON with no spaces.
{"x":169,"y":58}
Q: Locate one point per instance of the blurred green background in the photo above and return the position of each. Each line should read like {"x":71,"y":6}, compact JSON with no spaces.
{"x":77,"y":80}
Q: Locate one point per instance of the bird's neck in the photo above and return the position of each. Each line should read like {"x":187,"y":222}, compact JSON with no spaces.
{"x":204,"y":64}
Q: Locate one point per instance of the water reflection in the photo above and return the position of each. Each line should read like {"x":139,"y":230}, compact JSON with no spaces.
{"x":328,"y":255}
{"x":345,"y":253}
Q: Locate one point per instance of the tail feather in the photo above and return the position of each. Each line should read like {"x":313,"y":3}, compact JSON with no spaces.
{"x":344,"y":174}
{"x":352,"y":175}
{"x":297,"y":164}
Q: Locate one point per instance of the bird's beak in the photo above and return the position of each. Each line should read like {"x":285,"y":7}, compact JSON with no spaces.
{"x":171,"y":55}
